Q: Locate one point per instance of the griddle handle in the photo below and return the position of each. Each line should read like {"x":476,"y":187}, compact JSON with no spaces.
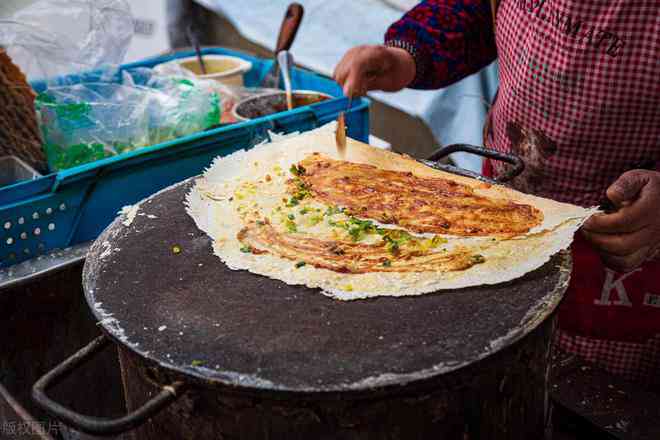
{"x":518,"y":164}
{"x":96,"y":425}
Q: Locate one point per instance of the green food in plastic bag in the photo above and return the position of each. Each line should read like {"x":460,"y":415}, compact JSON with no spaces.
{"x":83,"y":123}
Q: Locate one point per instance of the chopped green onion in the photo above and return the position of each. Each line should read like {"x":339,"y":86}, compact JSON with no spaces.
{"x":297,"y":170}
{"x":291,"y":226}
{"x":332,"y":210}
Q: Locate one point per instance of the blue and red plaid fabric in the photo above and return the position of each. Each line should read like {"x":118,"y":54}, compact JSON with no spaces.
{"x":453,"y":39}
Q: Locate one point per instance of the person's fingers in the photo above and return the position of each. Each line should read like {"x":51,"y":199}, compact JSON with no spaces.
{"x":618,"y":244}
{"x":624,"y":221}
{"x":346,"y":65}
{"x":339,"y":73}
{"x":360,"y":80}
{"x":635,"y":198}
{"x":350,"y":70}
{"x":341,"y":70}
{"x":628,"y":219}
{"x":353,"y":85}
{"x":366,"y":68}
{"x":626,"y":263}
{"x":397,"y":71}
{"x":368,"y":63}
{"x":628,"y":186}
{"x":349,"y":87}
{"x":627,"y":237}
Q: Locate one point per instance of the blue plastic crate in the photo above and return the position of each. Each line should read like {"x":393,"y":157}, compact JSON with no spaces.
{"x":74,"y":205}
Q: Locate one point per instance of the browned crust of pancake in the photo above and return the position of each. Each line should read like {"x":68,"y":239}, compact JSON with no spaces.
{"x":350,"y":257}
{"x":419,"y":204}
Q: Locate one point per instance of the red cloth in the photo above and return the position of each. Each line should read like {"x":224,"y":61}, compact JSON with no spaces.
{"x":604,"y":304}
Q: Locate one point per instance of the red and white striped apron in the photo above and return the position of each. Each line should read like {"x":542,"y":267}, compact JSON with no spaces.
{"x":579,"y":101}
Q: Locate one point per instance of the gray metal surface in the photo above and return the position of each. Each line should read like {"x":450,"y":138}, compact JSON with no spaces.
{"x":58,"y":259}
{"x":188,"y":312}
{"x":14,"y":170}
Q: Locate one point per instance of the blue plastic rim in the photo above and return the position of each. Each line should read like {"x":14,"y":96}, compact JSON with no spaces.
{"x":75,"y":205}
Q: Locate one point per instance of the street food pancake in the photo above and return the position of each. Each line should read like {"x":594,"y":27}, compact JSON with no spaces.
{"x":369,"y":222}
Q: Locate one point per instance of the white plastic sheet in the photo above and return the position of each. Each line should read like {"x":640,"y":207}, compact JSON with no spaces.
{"x":50,"y":38}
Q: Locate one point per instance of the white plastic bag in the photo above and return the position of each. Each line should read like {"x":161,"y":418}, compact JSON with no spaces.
{"x":51,"y":38}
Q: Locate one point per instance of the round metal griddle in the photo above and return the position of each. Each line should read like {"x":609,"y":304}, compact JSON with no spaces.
{"x":188,"y":312}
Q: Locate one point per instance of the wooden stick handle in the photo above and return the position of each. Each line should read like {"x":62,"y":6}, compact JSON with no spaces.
{"x":289,"y":27}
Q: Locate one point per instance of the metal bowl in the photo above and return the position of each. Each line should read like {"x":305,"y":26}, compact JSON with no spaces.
{"x":275,"y":102}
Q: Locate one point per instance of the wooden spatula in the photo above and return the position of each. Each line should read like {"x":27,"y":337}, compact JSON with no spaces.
{"x":340,"y":135}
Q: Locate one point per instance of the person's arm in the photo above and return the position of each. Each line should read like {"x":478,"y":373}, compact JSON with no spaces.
{"x":448,"y":39}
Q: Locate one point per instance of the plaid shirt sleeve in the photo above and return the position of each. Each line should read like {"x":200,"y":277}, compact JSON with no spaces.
{"x":449,"y":40}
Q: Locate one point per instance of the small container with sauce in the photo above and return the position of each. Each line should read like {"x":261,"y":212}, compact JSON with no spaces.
{"x":227,"y":70}
{"x":274,"y":102}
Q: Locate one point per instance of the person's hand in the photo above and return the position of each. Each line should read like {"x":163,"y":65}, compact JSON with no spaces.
{"x":365,"y":68}
{"x":628,"y":237}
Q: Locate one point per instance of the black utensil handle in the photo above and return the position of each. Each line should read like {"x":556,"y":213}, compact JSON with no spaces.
{"x":518,"y":164}
{"x":96,"y":425}
{"x":289,"y":28}
{"x":194,"y":41}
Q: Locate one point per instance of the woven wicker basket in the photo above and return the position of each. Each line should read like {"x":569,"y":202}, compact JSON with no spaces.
{"x":19,"y":131}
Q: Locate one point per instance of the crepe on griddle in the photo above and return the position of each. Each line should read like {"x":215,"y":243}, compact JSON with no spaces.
{"x":370,"y":222}
{"x":420,"y":204}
